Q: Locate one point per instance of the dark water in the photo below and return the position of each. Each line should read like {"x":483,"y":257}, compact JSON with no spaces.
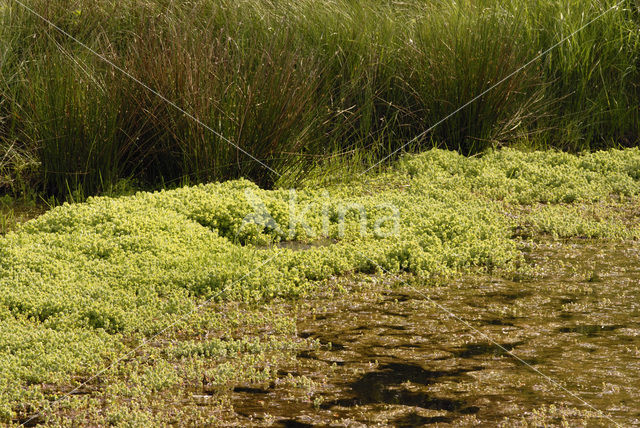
{"x":414,"y":356}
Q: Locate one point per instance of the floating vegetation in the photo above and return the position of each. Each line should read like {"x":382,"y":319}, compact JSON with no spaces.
{"x":84,"y":284}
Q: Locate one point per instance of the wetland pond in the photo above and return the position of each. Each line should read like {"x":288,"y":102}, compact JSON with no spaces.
{"x":555,"y":348}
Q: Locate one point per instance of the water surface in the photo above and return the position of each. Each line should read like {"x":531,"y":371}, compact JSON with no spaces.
{"x":418,"y":355}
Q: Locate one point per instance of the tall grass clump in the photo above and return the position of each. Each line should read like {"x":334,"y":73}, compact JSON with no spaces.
{"x":295,"y":83}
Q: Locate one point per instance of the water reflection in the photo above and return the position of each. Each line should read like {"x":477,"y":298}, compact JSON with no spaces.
{"x":396,"y":360}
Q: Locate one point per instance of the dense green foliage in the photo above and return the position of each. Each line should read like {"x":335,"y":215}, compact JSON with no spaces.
{"x":296,"y":82}
{"x":83,"y":282}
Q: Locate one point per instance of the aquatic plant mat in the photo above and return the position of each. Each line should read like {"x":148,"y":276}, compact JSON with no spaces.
{"x":226,"y":304}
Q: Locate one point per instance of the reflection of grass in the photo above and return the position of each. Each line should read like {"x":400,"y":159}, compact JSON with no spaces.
{"x":84,"y":283}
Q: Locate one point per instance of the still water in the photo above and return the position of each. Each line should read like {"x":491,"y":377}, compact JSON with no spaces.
{"x":553,"y":348}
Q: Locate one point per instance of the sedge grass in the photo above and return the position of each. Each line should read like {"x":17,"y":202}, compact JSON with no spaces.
{"x":295,"y":83}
